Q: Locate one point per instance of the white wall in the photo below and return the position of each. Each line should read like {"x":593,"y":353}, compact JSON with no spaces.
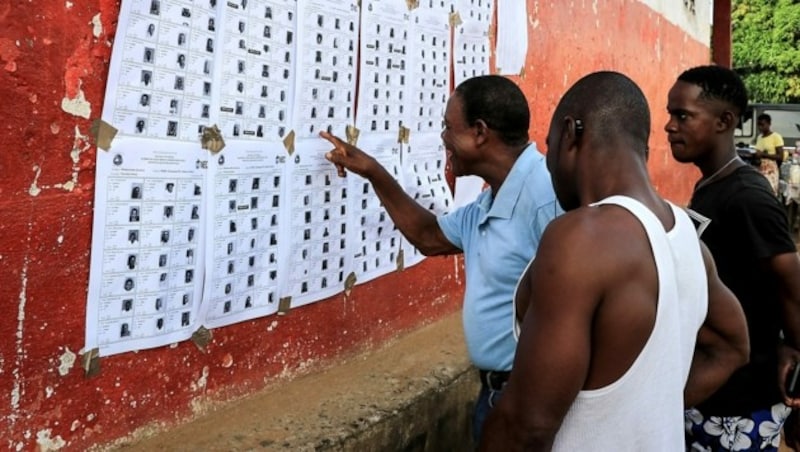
{"x":692,"y":16}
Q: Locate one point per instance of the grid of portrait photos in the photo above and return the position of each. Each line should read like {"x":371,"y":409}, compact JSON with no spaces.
{"x":229,"y":235}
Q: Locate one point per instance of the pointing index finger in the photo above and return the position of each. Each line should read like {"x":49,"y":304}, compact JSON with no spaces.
{"x":331,"y":138}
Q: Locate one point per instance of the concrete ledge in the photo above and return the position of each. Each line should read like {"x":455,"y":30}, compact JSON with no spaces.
{"x":415,"y":394}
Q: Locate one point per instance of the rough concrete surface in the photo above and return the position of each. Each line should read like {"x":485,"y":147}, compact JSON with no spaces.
{"x":415,"y":394}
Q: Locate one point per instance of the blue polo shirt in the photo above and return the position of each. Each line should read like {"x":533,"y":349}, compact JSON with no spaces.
{"x":499,"y":235}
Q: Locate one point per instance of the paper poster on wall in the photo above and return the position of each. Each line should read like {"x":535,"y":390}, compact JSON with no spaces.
{"x":479,"y":11}
{"x":384,"y":67}
{"x":436,"y":6}
{"x":318,"y":262}
{"x":184,"y":237}
{"x":467,"y":189}
{"x":256,"y":70}
{"x":512,"y":37}
{"x":160,"y":76}
{"x":471,"y":47}
{"x":374,"y":239}
{"x":246,"y":193}
{"x":429,"y":69}
{"x":424,"y":160}
{"x":147,"y":255}
{"x":328,"y":54}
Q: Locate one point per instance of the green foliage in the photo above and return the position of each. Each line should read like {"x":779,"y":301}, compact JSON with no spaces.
{"x":766,"y":48}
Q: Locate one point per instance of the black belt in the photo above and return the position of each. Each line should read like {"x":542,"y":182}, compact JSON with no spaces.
{"x":494,"y":379}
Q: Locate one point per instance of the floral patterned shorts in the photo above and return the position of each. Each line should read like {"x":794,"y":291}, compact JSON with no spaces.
{"x":761,"y":431}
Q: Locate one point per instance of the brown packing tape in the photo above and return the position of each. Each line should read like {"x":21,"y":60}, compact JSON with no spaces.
{"x":201,"y":338}
{"x":284,"y":305}
{"x":349,"y":282}
{"x":352,"y":133}
{"x":90,"y":361}
{"x":455,"y":19}
{"x":288,"y":143}
{"x":403,"y":134}
{"x":401,"y":261}
{"x":412,"y":4}
{"x":522,"y":73}
{"x":103,"y":133}
{"x":211,"y":139}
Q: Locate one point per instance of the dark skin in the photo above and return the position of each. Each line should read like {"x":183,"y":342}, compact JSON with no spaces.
{"x":473,"y":149}
{"x":765,"y":128}
{"x":592,"y":340}
{"x":700,"y":131}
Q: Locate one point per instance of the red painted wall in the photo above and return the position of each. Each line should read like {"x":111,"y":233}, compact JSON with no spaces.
{"x":53,"y":64}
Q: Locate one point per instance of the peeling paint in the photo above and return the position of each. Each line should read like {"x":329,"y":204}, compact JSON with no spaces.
{"x":81,"y":144}
{"x":201,"y":382}
{"x":77,"y":106}
{"x":46,"y":443}
{"x":34,"y":190}
{"x":67,"y":361}
{"x":272,"y":325}
{"x":97,"y":26}
{"x":534,"y":23}
{"x":17,"y":390}
{"x":48,"y":392}
{"x":227,"y":360}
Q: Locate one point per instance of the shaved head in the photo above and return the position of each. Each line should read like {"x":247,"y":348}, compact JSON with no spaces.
{"x":608,"y":104}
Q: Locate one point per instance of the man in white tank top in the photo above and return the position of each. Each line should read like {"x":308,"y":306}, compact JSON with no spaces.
{"x":623,"y":317}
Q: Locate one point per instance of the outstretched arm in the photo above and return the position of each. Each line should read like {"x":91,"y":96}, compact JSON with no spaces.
{"x":415,"y":222}
{"x":723,"y":344}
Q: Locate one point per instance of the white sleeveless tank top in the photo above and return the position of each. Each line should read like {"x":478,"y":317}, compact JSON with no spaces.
{"x":643,"y":409}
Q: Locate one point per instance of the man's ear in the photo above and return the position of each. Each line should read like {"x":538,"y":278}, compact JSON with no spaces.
{"x":481,"y":131}
{"x":727,"y":121}
{"x":571,"y":132}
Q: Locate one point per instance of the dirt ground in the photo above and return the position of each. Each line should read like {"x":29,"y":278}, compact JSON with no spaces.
{"x":316,"y":410}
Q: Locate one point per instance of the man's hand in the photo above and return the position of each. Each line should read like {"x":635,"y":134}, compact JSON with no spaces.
{"x":787,"y":358}
{"x":348,"y":157}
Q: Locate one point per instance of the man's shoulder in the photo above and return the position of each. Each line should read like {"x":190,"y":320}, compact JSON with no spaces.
{"x":744,"y":182}
{"x":595,"y":245}
{"x":595,"y":228}
{"x":750,"y":185}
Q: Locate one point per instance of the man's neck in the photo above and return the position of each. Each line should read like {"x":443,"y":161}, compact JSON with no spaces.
{"x":501,"y":166}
